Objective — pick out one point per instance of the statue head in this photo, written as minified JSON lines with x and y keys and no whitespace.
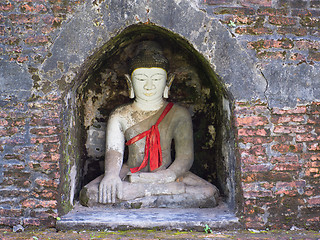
{"x":148,"y":72}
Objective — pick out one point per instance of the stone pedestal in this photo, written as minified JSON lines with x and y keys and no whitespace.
{"x":103,"y":218}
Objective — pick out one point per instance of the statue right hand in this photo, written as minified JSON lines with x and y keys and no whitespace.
{"x":110,"y":187}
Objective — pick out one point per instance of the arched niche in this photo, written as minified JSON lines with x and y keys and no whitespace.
{"x":101,"y":86}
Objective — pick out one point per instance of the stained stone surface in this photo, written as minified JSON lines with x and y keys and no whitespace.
{"x":163,"y":218}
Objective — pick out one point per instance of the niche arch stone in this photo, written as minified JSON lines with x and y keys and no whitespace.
{"x":100,"y":86}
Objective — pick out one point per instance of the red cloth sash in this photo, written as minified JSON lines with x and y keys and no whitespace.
{"x":152,"y":147}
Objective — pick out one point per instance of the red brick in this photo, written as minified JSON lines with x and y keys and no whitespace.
{"x":51,"y":20}
{"x":285,"y":159}
{"x":314,"y":119}
{"x":310,"y":192}
{"x":252,"y":159}
{"x":289,"y":188}
{"x":257,"y":194}
{"x":311,"y":156}
{"x":253,"y":132}
{"x":292,"y":129}
{"x":20,"y":59}
{"x":257,"y":186}
{"x":251,"y":121}
{"x":256,"y":140}
{"x":314,"y":108}
{"x":287,"y":167}
{"x":251,"y":110}
{"x":48,"y":203}
{"x":12,"y":167}
{"x":50,"y":194}
{"x":283,"y":21}
{"x":51,"y":147}
{"x":31,"y":222}
{"x":10,"y":221}
{"x":310,"y":22}
{"x":45,"y":131}
{"x":51,"y":139}
{"x":283,"y":139}
{"x":217,"y":2}
{"x":29,"y":203}
{"x":297,"y":57}
{"x":235,"y":10}
{"x":46,"y":183}
{"x":254,"y":223}
{"x":271,"y":43}
{"x":305,"y":137}
{"x":253,"y":30}
{"x":11,"y":212}
{"x":24,"y":18}
{"x":238,"y":19}
{"x":269,"y":176}
{"x":286,"y":119}
{"x":15,"y":156}
{"x":36,"y":40}
{"x":313,"y":146}
{"x":57,"y":10}
{"x":264,"y":3}
{"x":12,"y":141}
{"x":306,"y":45}
{"x":297,"y":110}
{"x":10,"y":40}
{"x":313,"y":173}
{"x":13,"y":49}
{"x":48,"y":157}
{"x":44,"y":166}
{"x":8,"y":132}
{"x":257,"y":150}
{"x":44,"y":121}
{"x":314,"y":164}
{"x":6,"y":7}
{"x":40,"y":8}
{"x":314,"y":200}
{"x":256,"y":168}
{"x":272,"y":55}
{"x":285,"y":148}
{"x":272,"y":11}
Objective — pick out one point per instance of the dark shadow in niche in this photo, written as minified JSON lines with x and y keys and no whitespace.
{"x":102,"y":86}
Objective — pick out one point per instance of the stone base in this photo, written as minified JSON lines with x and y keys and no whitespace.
{"x":103,"y":218}
{"x":192,"y":192}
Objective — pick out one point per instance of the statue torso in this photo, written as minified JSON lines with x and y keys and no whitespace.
{"x":134,"y":122}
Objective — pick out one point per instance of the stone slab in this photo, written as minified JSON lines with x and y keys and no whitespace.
{"x":102,"y":218}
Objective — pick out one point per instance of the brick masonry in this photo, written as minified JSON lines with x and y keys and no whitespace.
{"x":277,"y":144}
{"x":280,"y":164}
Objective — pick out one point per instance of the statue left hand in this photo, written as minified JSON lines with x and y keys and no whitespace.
{"x":162,"y":176}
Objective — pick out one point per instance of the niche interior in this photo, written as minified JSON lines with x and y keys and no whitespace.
{"x":101,"y":87}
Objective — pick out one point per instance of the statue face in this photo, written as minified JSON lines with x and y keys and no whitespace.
{"x":149,"y":83}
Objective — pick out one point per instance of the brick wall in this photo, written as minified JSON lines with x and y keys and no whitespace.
{"x":287,"y":30}
{"x":28,"y":27}
{"x":280,"y":163}
{"x":29,"y":145}
{"x":30,"y":128}
{"x":278,"y":146}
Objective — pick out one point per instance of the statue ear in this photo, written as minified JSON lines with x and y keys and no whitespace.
{"x":168,"y":85}
{"x":130,"y":87}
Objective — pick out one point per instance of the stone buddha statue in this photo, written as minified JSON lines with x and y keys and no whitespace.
{"x":148,"y":126}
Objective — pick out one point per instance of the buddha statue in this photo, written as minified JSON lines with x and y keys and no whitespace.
{"x":148,"y":126}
